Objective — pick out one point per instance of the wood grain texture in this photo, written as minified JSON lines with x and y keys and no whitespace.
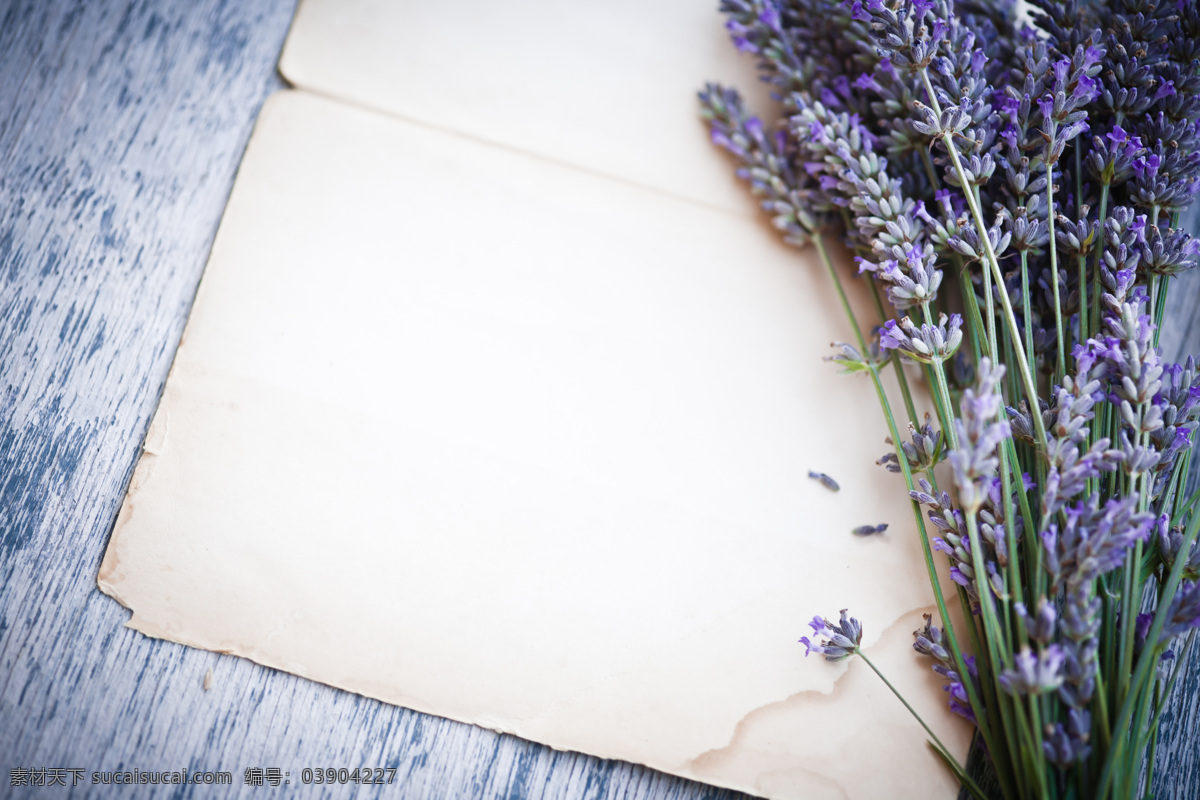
{"x":121,"y":127}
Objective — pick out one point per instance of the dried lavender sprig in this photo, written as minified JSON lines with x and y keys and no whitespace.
{"x":840,"y":153}
{"x":1034,"y":673}
{"x":842,"y":640}
{"x":930,"y":641}
{"x":924,"y":450}
{"x":975,"y":460}
{"x":927,"y":343}
{"x":763,"y":162}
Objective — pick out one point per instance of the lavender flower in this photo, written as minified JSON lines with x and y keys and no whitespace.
{"x":763,"y":161}
{"x":1034,"y":673}
{"x":979,"y":434}
{"x":1067,"y":426}
{"x":1067,"y":745}
{"x":1041,"y":625}
{"x":1094,"y":539}
{"x":841,"y":640}
{"x":953,"y":540}
{"x":840,"y":153}
{"x":924,"y":451}
{"x":930,"y":641}
{"x":928,"y":343}
{"x":1183,"y":614}
{"x":1169,"y":541}
{"x":1168,"y":252}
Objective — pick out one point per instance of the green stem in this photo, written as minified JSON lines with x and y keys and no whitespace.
{"x":926,"y":550}
{"x":1094,"y":324}
{"x":959,"y":772}
{"x":993,"y":263}
{"x":1061,"y":364}
{"x":943,"y":388}
{"x":1148,"y":658}
{"x":1158,"y":298}
{"x":1027,"y":309}
{"x":901,"y":378}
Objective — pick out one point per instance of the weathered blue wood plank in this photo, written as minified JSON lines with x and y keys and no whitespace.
{"x":121,"y":128}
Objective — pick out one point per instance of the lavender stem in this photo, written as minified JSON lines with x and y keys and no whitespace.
{"x":959,"y":772}
{"x":993,"y":262}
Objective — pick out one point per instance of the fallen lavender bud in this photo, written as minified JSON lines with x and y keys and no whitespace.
{"x":869,"y":530}
{"x":826,"y":481}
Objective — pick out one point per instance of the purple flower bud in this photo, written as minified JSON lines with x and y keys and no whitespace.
{"x":1086,"y":90}
{"x":978,"y":59}
{"x":841,"y":640}
{"x":723,"y":141}
{"x":1166,"y":90}
{"x":1117,"y":135}
{"x":1046,"y":104}
{"x":744,"y":45}
{"x":770,"y":16}
{"x":1061,"y":69}
{"x":1147,"y":167}
{"x":754,"y":128}
{"x":867,"y":81}
{"x":841,"y":85}
{"x":940,"y":26}
{"x":1074,"y":129}
{"x":1034,"y":673}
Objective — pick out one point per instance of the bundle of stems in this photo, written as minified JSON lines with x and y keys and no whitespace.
{"x":1044,"y":161}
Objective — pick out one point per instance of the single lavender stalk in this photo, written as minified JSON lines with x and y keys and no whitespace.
{"x":843,"y":640}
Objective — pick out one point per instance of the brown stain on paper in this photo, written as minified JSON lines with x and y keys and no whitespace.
{"x":764,"y":740}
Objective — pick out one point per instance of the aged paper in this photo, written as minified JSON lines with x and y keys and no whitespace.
{"x":607,"y":85}
{"x":491,"y":437}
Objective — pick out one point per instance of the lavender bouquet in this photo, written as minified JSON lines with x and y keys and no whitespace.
{"x":1012,"y":188}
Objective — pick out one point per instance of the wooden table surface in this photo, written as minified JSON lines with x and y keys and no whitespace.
{"x":122,"y":123}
